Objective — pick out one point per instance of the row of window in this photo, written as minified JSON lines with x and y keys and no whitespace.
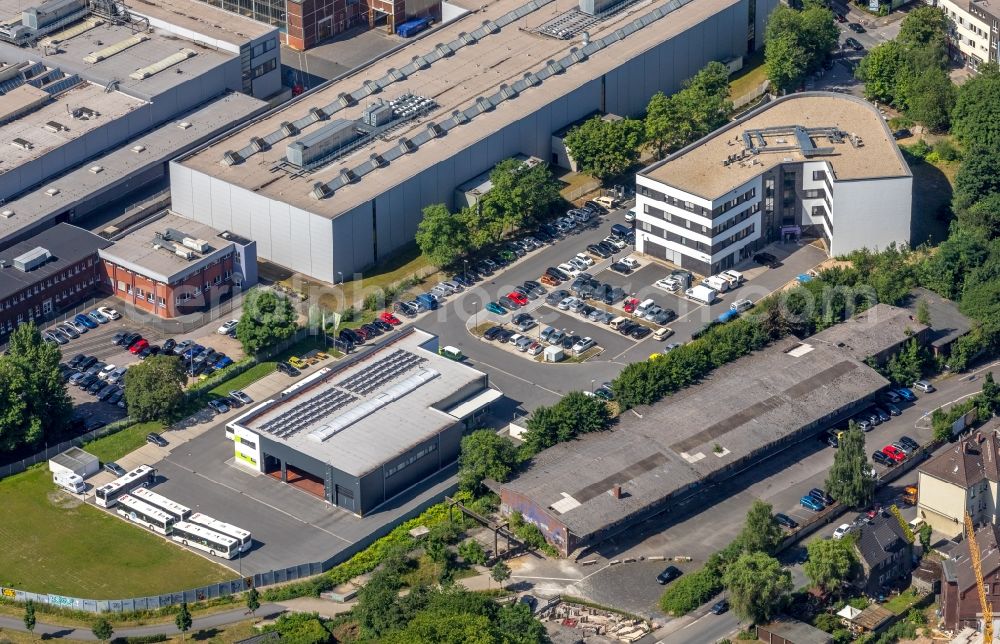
{"x":732,"y":203}
{"x":265,"y":68}
{"x":66,"y":292}
{"x":422,"y":452}
{"x":732,"y":239}
{"x":35,"y":289}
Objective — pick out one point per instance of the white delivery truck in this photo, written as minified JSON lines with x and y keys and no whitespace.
{"x":701,"y":293}
{"x":69,"y":481}
{"x":718,"y":283}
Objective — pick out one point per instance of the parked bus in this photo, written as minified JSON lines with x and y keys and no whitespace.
{"x":198,"y":536}
{"x":107,"y":495}
{"x":143,"y":513}
{"x":241,"y":535}
{"x":174,"y":509}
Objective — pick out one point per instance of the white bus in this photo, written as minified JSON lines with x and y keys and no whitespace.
{"x":143,"y":513}
{"x":107,"y":495}
{"x":198,"y":536}
{"x":241,"y":535}
{"x":174,"y":509}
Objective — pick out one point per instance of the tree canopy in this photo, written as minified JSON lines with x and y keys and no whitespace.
{"x":441,"y":236}
{"x":268,"y":318}
{"x":976,"y":117}
{"x":761,"y":533}
{"x":797,"y":43}
{"x":700,"y":107}
{"x":34,"y":406}
{"x":830,"y":562}
{"x":154,"y":388}
{"x":850,"y":480}
{"x":485,"y":454}
{"x":575,"y":414}
{"x":757,"y":585}
{"x":606,"y":148}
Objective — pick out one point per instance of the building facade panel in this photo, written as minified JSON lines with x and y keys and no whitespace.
{"x":859,"y":203}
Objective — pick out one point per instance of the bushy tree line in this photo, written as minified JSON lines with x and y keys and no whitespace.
{"x":797,"y":43}
{"x":268,"y":318}
{"x":34,"y":405}
{"x":520,"y":196}
{"x":911,"y":72}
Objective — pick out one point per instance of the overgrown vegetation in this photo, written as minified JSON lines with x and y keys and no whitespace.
{"x":797,"y":43}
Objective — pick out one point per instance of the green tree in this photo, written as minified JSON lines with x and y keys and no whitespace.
{"x":301,"y":628}
{"x":485,"y":454}
{"x":472,"y":552}
{"x":925,"y":537}
{"x":982,"y":216}
{"x":757,"y":585}
{"x":663,"y":123}
{"x":761,"y":533}
{"x":515,"y":624}
{"x":606,"y":148}
{"x":700,"y":107}
{"x":976,"y":117}
{"x":440,"y":627}
{"x":796,"y":43}
{"x":926,"y":27}
{"x":268,"y":318}
{"x":378,"y":610}
{"x":522,"y":193}
{"x":988,"y":400}
{"x":500,"y":573}
{"x":183,"y":620}
{"x":154,"y":388}
{"x":929,"y":96}
{"x":441,"y":236}
{"x":880,"y":70}
{"x":102,"y":629}
{"x":908,"y":365}
{"x":850,"y":480}
{"x":29,"y":616}
{"x":830,"y":563}
{"x":253,"y":601}
{"x":923,"y":313}
{"x":785,"y":61}
{"x":978,"y":176}
{"x":575,"y":414}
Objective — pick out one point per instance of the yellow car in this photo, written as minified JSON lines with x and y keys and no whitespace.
{"x":298,"y":363}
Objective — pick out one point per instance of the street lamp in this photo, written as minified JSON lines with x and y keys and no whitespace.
{"x":466,"y":271}
{"x":475,"y":321}
{"x":592,"y":386}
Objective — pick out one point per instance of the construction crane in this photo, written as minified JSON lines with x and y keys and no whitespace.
{"x":977,"y":568}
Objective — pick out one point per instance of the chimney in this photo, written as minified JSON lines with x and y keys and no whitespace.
{"x":615,"y":491}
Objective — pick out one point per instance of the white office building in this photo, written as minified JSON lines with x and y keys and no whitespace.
{"x":811,"y":165}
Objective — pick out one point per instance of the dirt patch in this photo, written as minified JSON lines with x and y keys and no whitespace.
{"x":64,"y":500}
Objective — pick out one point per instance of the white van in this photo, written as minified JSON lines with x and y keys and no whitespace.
{"x":69,"y":481}
{"x":718,"y":283}
{"x":738,"y":276}
{"x":617,"y":322}
{"x":643,"y":308}
{"x":741,"y":305}
{"x":701,"y":294}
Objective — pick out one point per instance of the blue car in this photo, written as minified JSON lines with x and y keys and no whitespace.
{"x":494,"y":307}
{"x":223,"y":362}
{"x":810,"y":503}
{"x":193,"y":352}
{"x":907,"y":394}
{"x":98,"y":317}
{"x":85,"y":321}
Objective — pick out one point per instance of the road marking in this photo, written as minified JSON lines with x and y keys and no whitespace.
{"x":525,"y":380}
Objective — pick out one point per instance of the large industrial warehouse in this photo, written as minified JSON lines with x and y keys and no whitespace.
{"x":581,"y":492}
{"x":359,"y":434}
{"x":336,"y":180}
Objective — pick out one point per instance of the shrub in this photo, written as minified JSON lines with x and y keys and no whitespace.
{"x":946,"y":150}
{"x":690,"y":592}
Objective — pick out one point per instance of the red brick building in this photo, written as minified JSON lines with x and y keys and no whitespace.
{"x":47,"y":274}
{"x":171,"y":266}
{"x":959,"y":595}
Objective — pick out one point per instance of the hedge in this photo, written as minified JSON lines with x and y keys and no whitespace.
{"x":689,"y":592}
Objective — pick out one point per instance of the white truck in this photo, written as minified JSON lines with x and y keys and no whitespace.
{"x":69,"y":481}
{"x":717,"y":282}
{"x":701,"y":293}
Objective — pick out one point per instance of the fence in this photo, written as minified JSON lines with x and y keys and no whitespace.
{"x":18,"y":466}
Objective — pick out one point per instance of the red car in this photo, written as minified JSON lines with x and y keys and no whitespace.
{"x":893,"y":453}
{"x":630,"y":304}
{"x":517,"y":297}
{"x":141,"y":344}
{"x":389,"y":318}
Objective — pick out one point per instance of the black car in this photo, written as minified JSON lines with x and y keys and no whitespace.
{"x":505,"y":335}
{"x":821,"y":496}
{"x":168,"y":347}
{"x":493,"y":332}
{"x":882,"y":459}
{"x":77,"y":359}
{"x":535,"y":287}
{"x":909,"y":443}
{"x":156,"y":439}
{"x":220,"y":405}
{"x":669,"y":574}
{"x":608,"y":248}
{"x":621,"y":268}
{"x":597,"y":250}
{"x":856,"y":28}
{"x":883,"y":415}
{"x":785,"y":521}
{"x":288,"y":369}
{"x":593,"y":206}
{"x":627,"y":327}
{"x":640,"y":332}
{"x":87,"y":363}
{"x":766,"y":259}
{"x":116,"y":339}
{"x":130,"y":339}
{"x":554,"y":272}
{"x":853,"y":44}
{"x":719,"y":607}
{"x":568,"y":342}
{"x":115,"y":469}
{"x":382,"y":324}
{"x":95,"y":386}
{"x":901,"y":134}
{"x":145,"y":353}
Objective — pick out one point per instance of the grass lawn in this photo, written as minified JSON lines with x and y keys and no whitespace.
{"x":114,"y":446}
{"x":252,"y":374}
{"x":749,"y":78}
{"x":53,"y":543}
{"x":901,"y":602}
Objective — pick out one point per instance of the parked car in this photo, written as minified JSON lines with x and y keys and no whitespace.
{"x":288,"y":369}
{"x":86,"y":321}
{"x":894,"y":453}
{"x":68,"y":329}
{"x":109,"y":313}
{"x":882,"y":459}
{"x":842,"y":531}
{"x":923,"y":386}
{"x":77,"y":326}
{"x":115,"y":468}
{"x":910,"y":444}
{"x":856,"y":28}
{"x":98,"y":317}
{"x":229,"y":326}
{"x":156,"y":439}
{"x":785,"y":521}
{"x":892,"y":409}
{"x":640,"y":332}
{"x":720,"y":607}
{"x":906,"y":394}
{"x":821,"y":496}
{"x":219,"y":405}
{"x":766,"y":259}
{"x":493,"y":333}
{"x":669,"y":574}
{"x":883,"y":415}
{"x":138,"y":346}
{"x":583,"y":345}
{"x":810,"y":503}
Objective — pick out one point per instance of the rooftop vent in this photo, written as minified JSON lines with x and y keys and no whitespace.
{"x":7,"y":214}
{"x":199,"y":245}
{"x":138,"y":148}
{"x":24,"y":144}
{"x":52,"y":192}
{"x":97,"y":169}
{"x":180,"y":251}
{"x":184,"y":125}
{"x":32,"y":259}
{"x":55,"y":126}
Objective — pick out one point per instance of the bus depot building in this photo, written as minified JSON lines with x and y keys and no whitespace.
{"x":361,"y":432}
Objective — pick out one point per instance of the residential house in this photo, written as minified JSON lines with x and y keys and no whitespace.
{"x":885,"y":555}
{"x":962,"y":479}
{"x":960,"y":605}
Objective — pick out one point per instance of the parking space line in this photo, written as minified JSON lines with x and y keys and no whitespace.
{"x":517,"y":377}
